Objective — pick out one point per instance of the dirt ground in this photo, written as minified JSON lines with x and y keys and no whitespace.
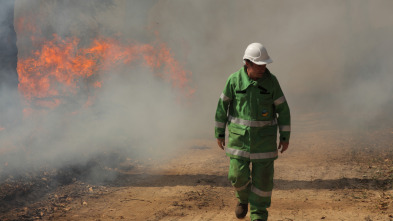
{"x":327,"y":175}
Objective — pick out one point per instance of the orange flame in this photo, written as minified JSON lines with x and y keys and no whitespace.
{"x":59,"y":66}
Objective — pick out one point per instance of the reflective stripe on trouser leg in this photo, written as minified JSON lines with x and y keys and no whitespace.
{"x":239,"y":175}
{"x":261,"y":189}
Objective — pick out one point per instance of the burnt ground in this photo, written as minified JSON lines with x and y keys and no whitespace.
{"x":328,"y":175}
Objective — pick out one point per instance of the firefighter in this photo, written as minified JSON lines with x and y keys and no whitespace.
{"x":253,"y":107}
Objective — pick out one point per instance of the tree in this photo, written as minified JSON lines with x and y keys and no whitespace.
{"x":8,"y":49}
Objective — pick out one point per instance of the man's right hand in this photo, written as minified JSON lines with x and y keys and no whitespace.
{"x":221,"y":142}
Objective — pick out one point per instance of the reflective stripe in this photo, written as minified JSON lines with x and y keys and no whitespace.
{"x":220,"y":124}
{"x":285,"y":128}
{"x":279,"y":101}
{"x":236,"y":152}
{"x":243,"y":187}
{"x":260,"y":192}
{"x":252,"y":156}
{"x":268,"y":155}
{"x":251,"y":123}
{"x":224,"y":97}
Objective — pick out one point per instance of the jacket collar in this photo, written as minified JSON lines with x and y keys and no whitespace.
{"x":246,"y":81}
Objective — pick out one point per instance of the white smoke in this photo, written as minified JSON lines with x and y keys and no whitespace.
{"x":332,"y":59}
{"x":135,"y":113}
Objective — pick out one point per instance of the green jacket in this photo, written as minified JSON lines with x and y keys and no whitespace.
{"x":252,"y":110}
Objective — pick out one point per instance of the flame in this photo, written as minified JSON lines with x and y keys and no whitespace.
{"x":59,"y":67}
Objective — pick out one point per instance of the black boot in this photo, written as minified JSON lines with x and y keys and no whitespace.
{"x":241,"y":210}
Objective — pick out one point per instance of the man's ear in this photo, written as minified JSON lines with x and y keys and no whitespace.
{"x":247,"y":63}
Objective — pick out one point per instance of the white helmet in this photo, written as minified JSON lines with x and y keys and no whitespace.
{"x":257,"y":54}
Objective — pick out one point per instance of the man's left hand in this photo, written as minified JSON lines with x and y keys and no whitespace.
{"x":283,"y":146}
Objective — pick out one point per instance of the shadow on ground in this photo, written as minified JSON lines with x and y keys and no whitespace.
{"x":147,"y":180}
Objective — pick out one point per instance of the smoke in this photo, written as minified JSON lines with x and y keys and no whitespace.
{"x":332,"y":60}
{"x":136,"y":113}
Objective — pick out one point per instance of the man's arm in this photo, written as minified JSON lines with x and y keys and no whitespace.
{"x":284,"y":117}
{"x":221,"y":116}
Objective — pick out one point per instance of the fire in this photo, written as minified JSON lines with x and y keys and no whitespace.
{"x":60,"y":67}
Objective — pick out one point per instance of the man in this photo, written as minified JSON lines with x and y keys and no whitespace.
{"x":252,"y":105}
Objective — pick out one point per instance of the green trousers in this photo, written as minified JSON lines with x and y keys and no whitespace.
{"x":255,"y":186}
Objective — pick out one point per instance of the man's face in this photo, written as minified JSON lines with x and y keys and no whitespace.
{"x":255,"y":71}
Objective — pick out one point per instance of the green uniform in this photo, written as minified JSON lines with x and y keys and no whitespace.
{"x":252,"y":110}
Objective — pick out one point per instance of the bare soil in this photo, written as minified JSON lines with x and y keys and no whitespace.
{"x":327,"y":175}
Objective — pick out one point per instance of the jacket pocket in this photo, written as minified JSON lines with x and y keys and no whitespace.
{"x":267,"y":138}
{"x":236,"y":136}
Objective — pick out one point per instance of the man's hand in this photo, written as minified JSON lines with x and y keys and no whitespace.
{"x":221,"y":142}
{"x":283,"y":145}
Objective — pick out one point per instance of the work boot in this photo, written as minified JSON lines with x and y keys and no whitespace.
{"x":241,"y":210}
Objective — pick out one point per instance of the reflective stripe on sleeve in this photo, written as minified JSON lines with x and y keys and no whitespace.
{"x":224,"y":97}
{"x":236,"y":152}
{"x":268,"y":155}
{"x":285,"y":128}
{"x":251,"y":123}
{"x":242,"y":187}
{"x":220,"y":124}
{"x":260,"y":192}
{"x":279,"y":101}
